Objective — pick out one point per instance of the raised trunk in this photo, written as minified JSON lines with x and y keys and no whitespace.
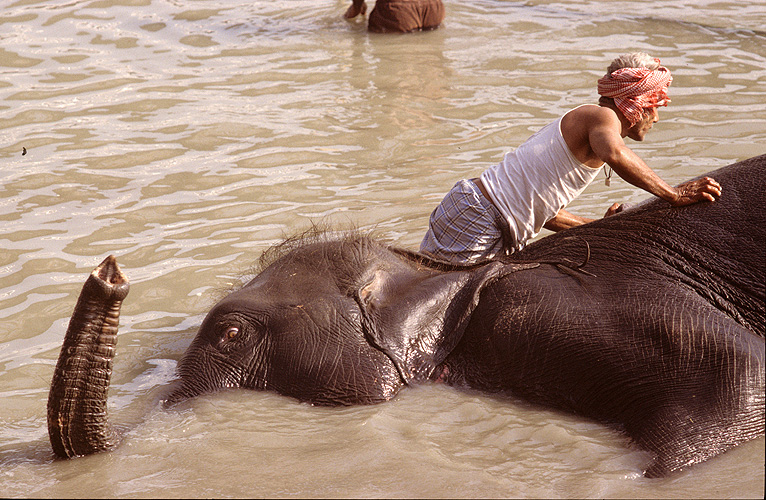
{"x":77,"y":418}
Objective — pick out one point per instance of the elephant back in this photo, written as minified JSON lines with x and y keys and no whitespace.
{"x":717,"y":249}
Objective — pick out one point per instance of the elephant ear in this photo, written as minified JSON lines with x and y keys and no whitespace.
{"x":417,"y":317}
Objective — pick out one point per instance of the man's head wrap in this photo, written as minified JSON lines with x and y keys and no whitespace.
{"x":634,"y":89}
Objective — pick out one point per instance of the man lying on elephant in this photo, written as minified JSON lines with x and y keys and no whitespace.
{"x":512,"y":201}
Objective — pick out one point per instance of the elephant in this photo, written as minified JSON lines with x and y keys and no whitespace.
{"x":650,"y":321}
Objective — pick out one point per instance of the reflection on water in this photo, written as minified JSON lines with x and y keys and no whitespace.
{"x":188,"y":136}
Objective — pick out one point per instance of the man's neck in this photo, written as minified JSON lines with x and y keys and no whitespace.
{"x":608,"y":103}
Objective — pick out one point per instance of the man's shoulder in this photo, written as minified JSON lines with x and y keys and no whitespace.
{"x":585,"y":124}
{"x":593,"y":111}
{"x":590,"y":116}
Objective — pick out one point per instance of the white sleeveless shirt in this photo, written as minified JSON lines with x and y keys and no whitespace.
{"x":535,"y":181}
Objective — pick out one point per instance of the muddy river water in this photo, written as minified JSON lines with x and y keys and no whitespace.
{"x":186,"y":137}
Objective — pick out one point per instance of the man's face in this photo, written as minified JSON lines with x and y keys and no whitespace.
{"x":648,"y":118}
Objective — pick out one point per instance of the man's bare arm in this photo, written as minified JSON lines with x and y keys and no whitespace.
{"x":357,"y":7}
{"x":565,"y":220}
{"x":607,"y":143}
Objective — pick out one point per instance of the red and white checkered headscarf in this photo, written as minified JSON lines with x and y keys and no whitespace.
{"x":634,"y":89}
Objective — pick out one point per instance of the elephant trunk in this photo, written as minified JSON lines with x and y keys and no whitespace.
{"x":77,"y":416}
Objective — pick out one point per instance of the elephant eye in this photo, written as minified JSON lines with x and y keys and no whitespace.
{"x":231,"y":332}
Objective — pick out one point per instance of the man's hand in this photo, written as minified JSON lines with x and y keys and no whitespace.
{"x":704,"y":189}
{"x":614,"y":209}
{"x":356,"y":8}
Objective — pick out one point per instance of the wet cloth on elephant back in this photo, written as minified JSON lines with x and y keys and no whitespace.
{"x":405,"y":15}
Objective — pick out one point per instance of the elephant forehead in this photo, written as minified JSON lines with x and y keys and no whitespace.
{"x":289,"y":281}
{"x":281,"y":298}
{"x":338,"y":267}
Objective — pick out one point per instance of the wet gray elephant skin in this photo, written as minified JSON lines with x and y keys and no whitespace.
{"x":651,"y":321}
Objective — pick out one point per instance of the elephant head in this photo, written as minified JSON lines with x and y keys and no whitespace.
{"x":329,"y":321}
{"x":335,"y":322}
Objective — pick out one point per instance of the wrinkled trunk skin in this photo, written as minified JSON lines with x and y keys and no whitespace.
{"x":77,"y":417}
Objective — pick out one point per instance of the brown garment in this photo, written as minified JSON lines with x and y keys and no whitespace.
{"x":405,"y":15}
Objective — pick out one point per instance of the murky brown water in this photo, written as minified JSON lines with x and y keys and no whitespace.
{"x":187,"y":136}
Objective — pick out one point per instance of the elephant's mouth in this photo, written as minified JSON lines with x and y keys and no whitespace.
{"x":179,"y":392}
{"x":182,"y":390}
{"x":191,"y":384}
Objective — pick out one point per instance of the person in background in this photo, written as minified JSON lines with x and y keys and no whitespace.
{"x":512,"y":201}
{"x":400,"y":16}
